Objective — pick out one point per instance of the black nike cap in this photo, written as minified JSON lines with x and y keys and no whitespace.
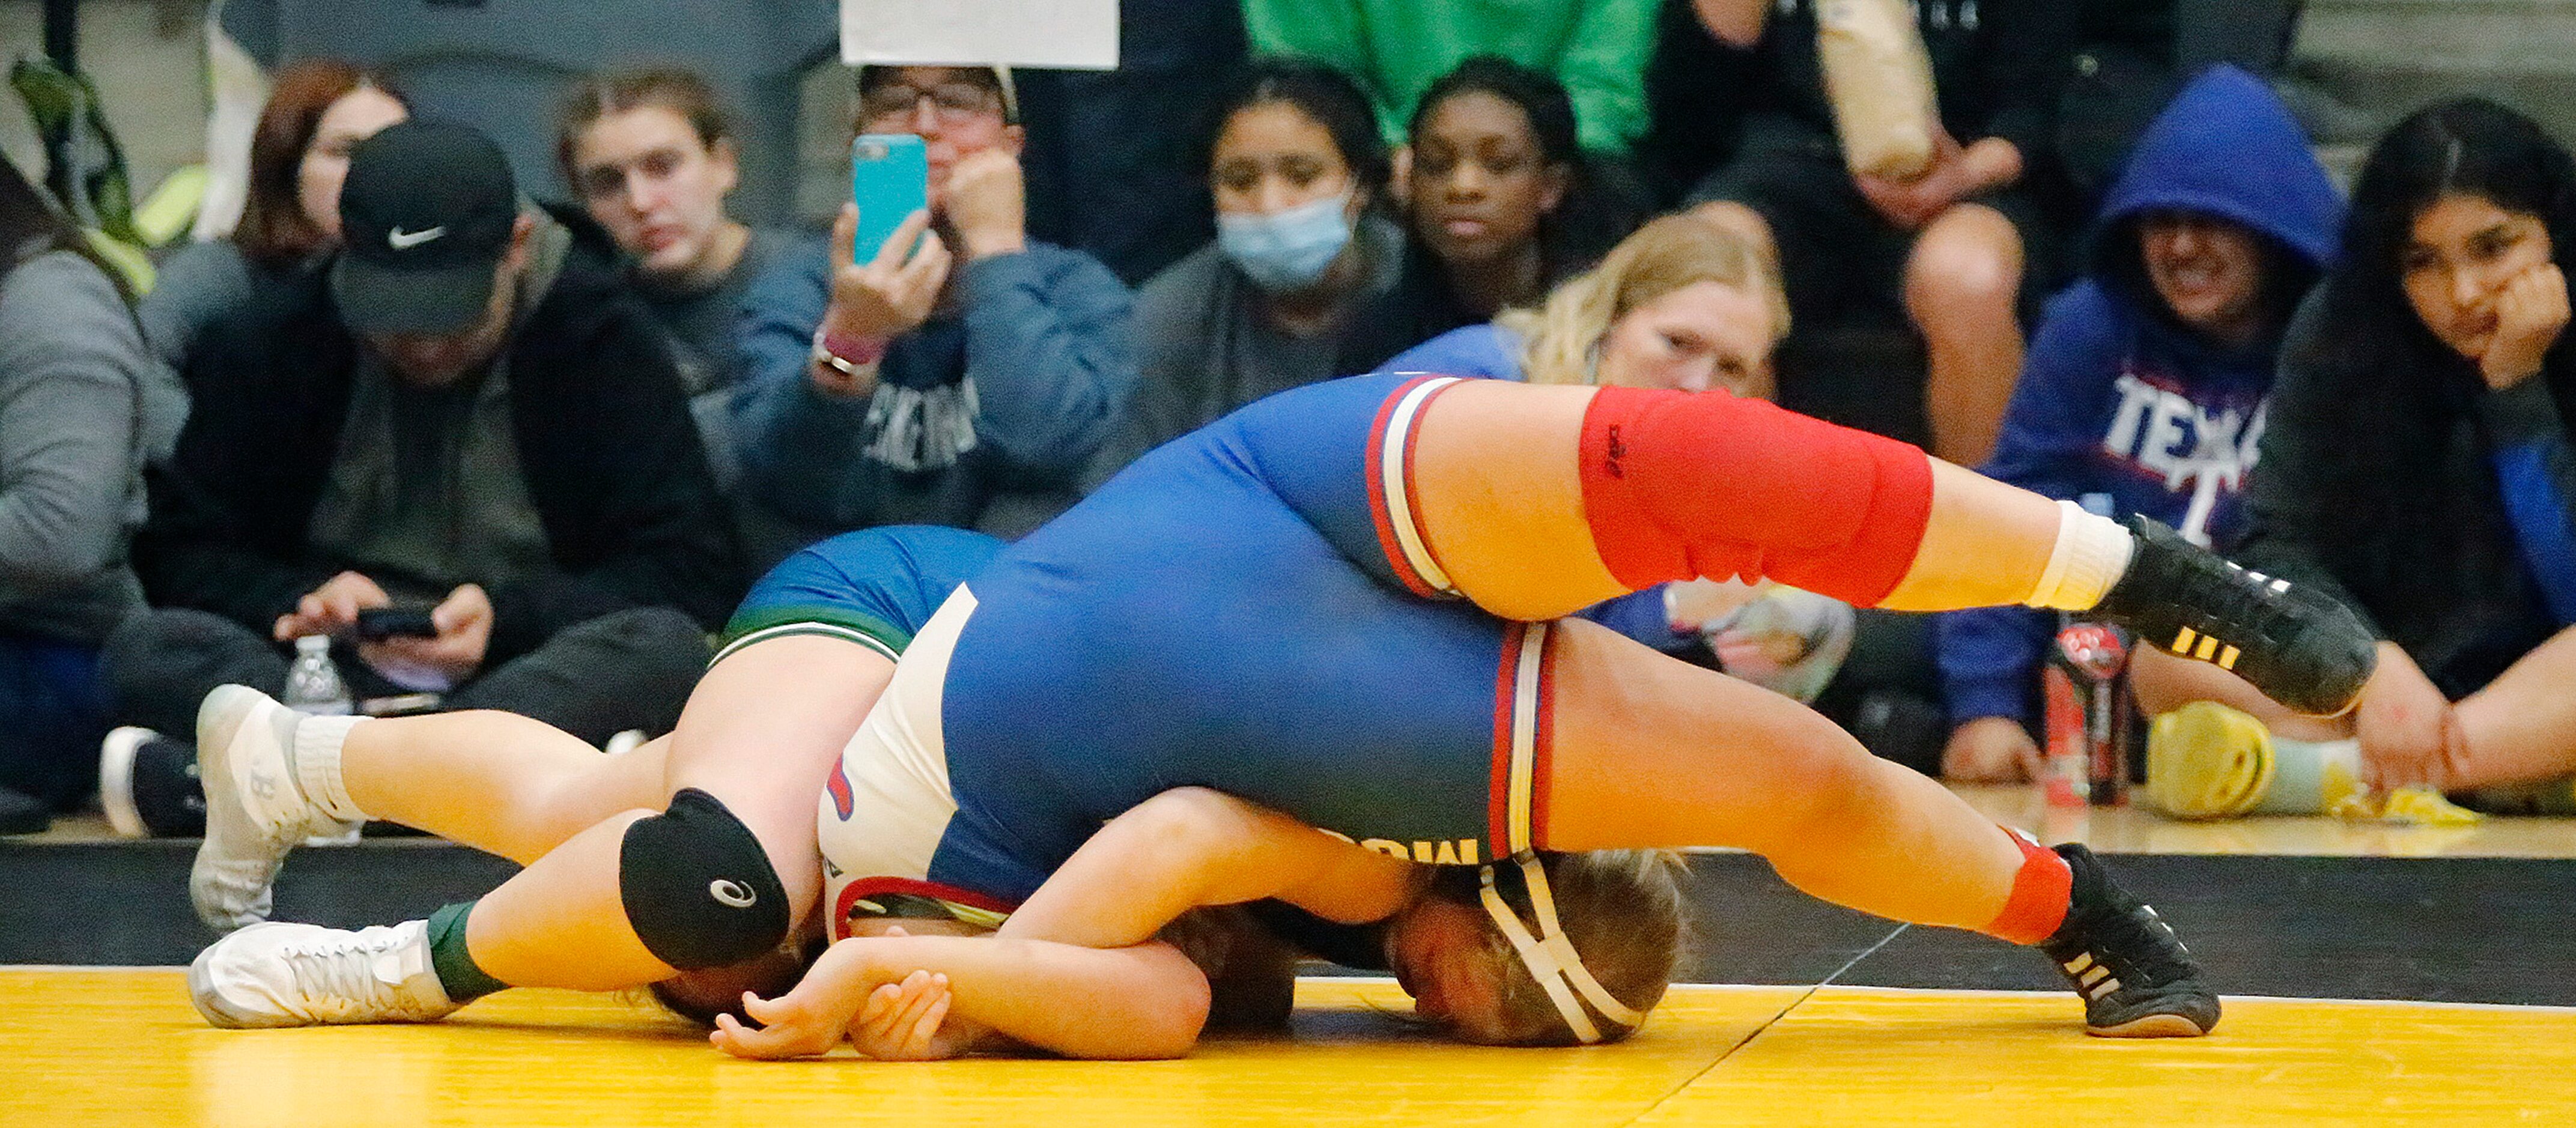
{"x":425,"y":217}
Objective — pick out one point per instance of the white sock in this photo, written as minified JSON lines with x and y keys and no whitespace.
{"x":316,"y":759}
{"x":2310,"y":777}
{"x":2090,"y":554}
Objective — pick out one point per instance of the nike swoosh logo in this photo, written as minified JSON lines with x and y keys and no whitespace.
{"x":402,"y":240}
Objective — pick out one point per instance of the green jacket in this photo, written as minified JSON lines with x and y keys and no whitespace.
{"x":1396,"y":48}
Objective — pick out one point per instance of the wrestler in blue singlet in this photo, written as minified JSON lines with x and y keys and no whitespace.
{"x":1221,"y":614}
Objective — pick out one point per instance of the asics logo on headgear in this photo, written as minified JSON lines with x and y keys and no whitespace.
{"x":731,"y":892}
{"x":402,"y":240}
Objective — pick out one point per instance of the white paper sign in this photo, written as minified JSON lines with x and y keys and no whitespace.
{"x":1030,"y":33}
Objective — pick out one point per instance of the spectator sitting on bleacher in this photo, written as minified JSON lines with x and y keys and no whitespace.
{"x":923,"y":382}
{"x":2417,"y":467}
{"x":318,"y":110}
{"x":1396,"y":48}
{"x":1296,"y":168}
{"x":473,"y":417}
{"x":652,"y":157}
{"x":1501,"y":201}
{"x":83,"y":405}
{"x":1682,"y":304}
{"x":2148,"y":377}
{"x":1957,"y":246}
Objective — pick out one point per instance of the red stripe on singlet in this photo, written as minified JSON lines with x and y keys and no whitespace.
{"x":879,"y":886}
{"x":1375,"y":471}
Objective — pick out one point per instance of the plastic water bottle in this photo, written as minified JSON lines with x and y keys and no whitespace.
{"x":314,"y":688}
{"x":313,"y":684}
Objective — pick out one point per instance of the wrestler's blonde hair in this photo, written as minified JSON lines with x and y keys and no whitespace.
{"x":1563,"y":337}
{"x":1624,"y":912}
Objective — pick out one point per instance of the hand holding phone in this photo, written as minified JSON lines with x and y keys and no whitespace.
{"x":887,"y":266}
{"x":331,"y":608}
{"x":438,"y":647}
{"x":375,"y":624}
{"x":889,"y":180}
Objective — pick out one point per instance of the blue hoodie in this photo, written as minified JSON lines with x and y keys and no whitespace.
{"x":2118,"y":397}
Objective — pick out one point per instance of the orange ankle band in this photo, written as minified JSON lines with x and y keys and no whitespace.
{"x":2039,"y":894}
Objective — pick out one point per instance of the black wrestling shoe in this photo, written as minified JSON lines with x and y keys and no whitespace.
{"x":23,"y":814}
{"x":2299,"y":647}
{"x":2137,"y":979}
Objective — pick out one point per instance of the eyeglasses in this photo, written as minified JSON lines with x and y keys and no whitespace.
{"x":957,"y":103}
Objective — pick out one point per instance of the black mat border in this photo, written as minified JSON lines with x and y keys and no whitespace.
{"x":2469,"y":930}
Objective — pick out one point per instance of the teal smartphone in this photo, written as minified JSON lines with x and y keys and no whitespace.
{"x":889,"y":180}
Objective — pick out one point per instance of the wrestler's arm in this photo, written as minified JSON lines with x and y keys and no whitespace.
{"x":1184,"y":849}
{"x":1074,"y":969}
{"x":1140,"y":1001}
{"x":1191,"y":847}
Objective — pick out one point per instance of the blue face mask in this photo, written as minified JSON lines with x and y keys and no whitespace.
{"x":1286,"y":251}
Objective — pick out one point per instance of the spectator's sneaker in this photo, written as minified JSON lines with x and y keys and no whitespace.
{"x":147,"y":785}
{"x":2206,"y":760}
{"x":2298,"y":647}
{"x":2137,"y":979}
{"x":307,"y":975}
{"x":255,"y":810}
{"x":116,"y":780}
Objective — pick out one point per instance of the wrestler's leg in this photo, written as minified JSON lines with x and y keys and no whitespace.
{"x":1535,"y":502}
{"x":759,"y":735}
{"x":499,"y":782}
{"x":1498,"y":481}
{"x":1649,"y":752}
{"x":503,"y":783}
{"x":723,"y":864}
{"x":681,"y":880}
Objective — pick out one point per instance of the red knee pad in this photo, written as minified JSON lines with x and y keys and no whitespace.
{"x":1679,"y":485}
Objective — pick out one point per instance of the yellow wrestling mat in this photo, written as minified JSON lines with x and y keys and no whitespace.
{"x":122,"y":1047}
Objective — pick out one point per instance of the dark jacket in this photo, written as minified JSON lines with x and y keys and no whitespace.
{"x":2117,"y":397}
{"x":603,"y":435}
{"x":2398,"y":483}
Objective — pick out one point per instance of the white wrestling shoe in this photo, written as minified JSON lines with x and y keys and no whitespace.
{"x":306,"y":975}
{"x":255,"y":810}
